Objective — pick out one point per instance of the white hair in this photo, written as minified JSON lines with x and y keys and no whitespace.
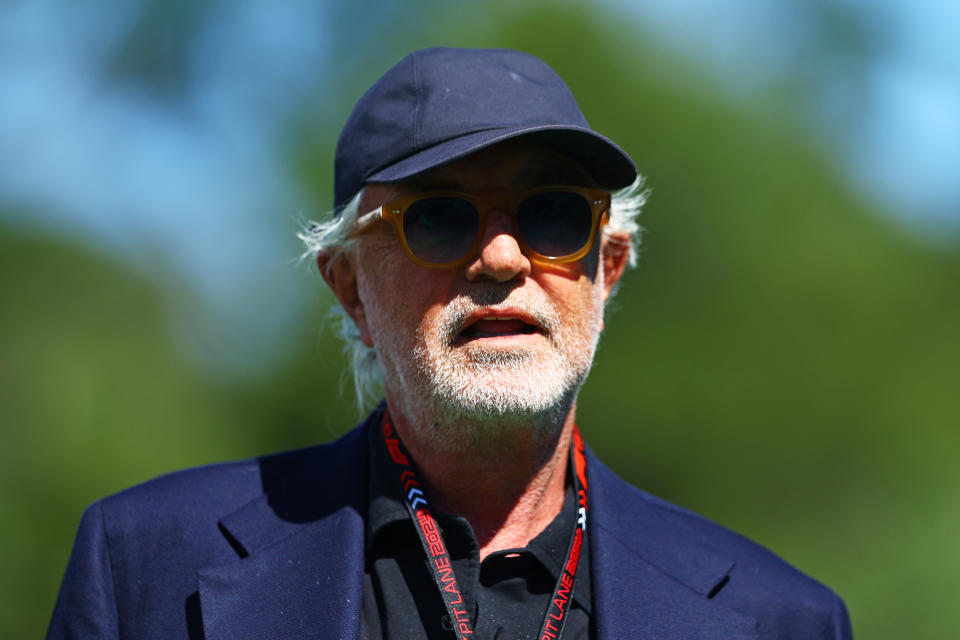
{"x":333,"y":239}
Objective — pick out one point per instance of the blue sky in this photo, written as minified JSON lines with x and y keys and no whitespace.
{"x":893,"y":120}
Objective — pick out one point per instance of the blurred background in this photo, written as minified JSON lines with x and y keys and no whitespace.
{"x":784,"y":360}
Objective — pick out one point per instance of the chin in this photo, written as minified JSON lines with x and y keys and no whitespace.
{"x":502,"y":387}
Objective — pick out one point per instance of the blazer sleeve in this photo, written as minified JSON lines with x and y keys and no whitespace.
{"x":87,"y":606}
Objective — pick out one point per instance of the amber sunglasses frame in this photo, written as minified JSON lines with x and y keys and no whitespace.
{"x":394,"y":210}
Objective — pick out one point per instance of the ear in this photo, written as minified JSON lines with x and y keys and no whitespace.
{"x":615,"y":253}
{"x":340,"y":273}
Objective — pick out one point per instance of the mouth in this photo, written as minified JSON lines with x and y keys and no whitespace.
{"x":490,"y":324}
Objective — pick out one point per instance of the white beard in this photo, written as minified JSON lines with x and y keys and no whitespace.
{"x":462,"y":395}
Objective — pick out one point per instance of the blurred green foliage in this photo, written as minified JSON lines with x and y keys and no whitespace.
{"x":783,"y":360}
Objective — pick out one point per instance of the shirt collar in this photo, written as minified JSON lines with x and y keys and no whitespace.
{"x":386,"y":503}
{"x":549,"y":547}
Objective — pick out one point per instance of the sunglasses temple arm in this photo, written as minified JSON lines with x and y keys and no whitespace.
{"x":368,"y":218}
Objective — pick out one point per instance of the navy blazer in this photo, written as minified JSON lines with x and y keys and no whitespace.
{"x":274,"y":548}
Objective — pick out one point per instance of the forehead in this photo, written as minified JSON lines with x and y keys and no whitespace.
{"x":511,"y":166}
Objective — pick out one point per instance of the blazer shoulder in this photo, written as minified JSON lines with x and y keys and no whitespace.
{"x":209,"y":491}
{"x":746,"y":576}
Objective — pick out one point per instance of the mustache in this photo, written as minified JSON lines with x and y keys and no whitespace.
{"x":459,"y":309}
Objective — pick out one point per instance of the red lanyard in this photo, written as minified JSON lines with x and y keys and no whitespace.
{"x":439,"y":559}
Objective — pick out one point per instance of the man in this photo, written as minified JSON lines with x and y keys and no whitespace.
{"x":472,"y":251}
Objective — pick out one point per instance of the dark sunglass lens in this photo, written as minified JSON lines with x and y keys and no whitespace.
{"x":440,"y":229}
{"x":555,"y":224}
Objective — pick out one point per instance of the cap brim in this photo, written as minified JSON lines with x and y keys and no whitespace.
{"x":606,"y":163}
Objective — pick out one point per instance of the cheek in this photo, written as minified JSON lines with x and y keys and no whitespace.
{"x":380,"y":284}
{"x":588,"y":310}
{"x":579,"y":300}
{"x":397,"y":294}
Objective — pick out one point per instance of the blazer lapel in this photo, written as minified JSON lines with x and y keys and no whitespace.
{"x":301,"y":548}
{"x":308,"y":585}
{"x":651,"y":576}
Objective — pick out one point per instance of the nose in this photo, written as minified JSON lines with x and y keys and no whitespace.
{"x":499,"y":258}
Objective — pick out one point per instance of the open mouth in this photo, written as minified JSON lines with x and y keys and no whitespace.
{"x":484,"y":325}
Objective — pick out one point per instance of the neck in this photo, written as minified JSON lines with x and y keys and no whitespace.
{"x":508,"y":483}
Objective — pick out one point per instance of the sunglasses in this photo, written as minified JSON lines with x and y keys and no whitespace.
{"x":444,"y":229}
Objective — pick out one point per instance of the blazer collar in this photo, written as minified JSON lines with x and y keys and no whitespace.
{"x":300,"y":572}
{"x":652,"y":573}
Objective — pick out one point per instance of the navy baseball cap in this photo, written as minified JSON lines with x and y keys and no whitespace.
{"x":440,"y":104}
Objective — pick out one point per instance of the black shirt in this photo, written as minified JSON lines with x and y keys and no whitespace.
{"x":507,"y":594}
